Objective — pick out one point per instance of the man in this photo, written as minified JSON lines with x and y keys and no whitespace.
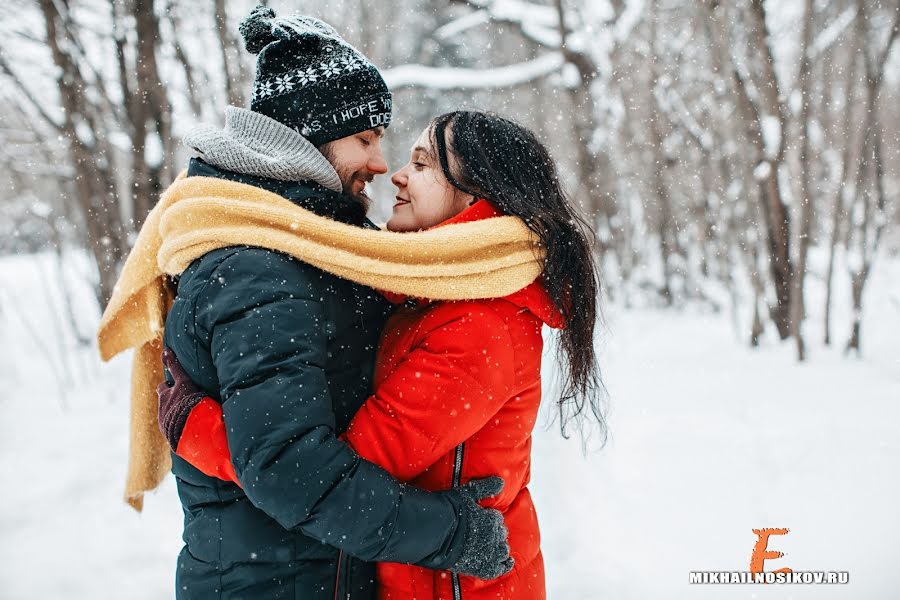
{"x":289,"y":352}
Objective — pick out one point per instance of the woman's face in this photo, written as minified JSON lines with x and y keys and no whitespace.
{"x":424,"y":196}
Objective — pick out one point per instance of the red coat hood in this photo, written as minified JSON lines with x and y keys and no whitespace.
{"x":533,"y":297}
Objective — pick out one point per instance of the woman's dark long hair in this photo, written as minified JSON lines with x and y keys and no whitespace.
{"x":505,"y":163}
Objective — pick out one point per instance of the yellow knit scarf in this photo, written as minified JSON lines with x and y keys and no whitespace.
{"x":482,"y":259}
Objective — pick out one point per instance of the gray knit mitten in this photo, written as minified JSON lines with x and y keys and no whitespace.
{"x":486,"y":552}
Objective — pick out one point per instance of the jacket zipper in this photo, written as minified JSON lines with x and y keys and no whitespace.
{"x":337,"y":579}
{"x":348,"y":573}
{"x":457,"y":477}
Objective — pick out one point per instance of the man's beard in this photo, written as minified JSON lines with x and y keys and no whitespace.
{"x":347,"y":182}
{"x":349,"y":178}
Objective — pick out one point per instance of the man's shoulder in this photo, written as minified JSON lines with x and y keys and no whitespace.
{"x":246,"y":257}
{"x":237,"y":268}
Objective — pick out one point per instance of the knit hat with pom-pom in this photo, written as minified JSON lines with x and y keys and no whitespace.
{"x":310,"y":79}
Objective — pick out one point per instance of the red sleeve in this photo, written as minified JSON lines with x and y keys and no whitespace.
{"x":450,"y":385}
{"x":203,"y":442}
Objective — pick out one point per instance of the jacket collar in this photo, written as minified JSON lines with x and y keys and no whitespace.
{"x":533,"y":297}
{"x":306,"y":194}
{"x":477,"y":211}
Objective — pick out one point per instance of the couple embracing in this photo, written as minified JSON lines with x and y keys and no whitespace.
{"x":348,"y":411}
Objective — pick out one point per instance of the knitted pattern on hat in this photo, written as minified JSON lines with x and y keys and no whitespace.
{"x":311,"y":79}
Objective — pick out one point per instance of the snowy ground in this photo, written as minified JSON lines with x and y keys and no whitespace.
{"x":709,"y":440}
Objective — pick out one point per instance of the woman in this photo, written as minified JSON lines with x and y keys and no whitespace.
{"x":457,"y":384}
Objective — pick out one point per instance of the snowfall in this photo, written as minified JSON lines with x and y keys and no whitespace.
{"x":709,"y":439}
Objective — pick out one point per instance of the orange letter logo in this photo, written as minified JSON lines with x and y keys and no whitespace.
{"x":761,"y":553}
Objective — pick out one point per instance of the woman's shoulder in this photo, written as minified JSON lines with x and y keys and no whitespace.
{"x":473,"y":318}
{"x":481,"y":309}
{"x":531,"y":303}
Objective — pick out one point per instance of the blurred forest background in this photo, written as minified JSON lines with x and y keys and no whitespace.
{"x":727,"y":151}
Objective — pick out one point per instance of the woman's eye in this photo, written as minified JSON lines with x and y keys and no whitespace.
{"x":364,"y":141}
{"x":419,"y":166}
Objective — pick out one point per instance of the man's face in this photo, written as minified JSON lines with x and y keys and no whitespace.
{"x":357,"y":159}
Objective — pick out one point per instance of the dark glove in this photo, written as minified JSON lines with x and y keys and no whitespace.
{"x":486,"y":552}
{"x":176,"y":399}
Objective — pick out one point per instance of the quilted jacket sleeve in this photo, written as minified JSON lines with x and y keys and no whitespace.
{"x":264,"y":316}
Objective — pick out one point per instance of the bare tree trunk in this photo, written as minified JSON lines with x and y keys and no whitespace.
{"x":778,"y":221}
{"x":663,"y":201}
{"x":839,"y":209}
{"x":93,"y":180}
{"x":829,"y":274}
{"x":857,"y":284}
{"x":775,"y":214}
{"x":746,"y":240}
{"x":151,"y":116}
{"x":231,"y":59}
{"x":595,"y":167}
{"x":189,"y":75}
{"x":756,"y":329}
{"x":798,"y":303}
{"x":664,"y":226}
{"x":870,"y":175}
{"x":363,"y":7}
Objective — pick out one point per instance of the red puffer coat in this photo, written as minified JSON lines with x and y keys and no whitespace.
{"x":457,"y":391}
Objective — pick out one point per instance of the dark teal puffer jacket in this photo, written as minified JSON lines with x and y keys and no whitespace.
{"x":289,"y":350}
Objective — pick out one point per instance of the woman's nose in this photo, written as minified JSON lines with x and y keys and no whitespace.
{"x":399,"y":178}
